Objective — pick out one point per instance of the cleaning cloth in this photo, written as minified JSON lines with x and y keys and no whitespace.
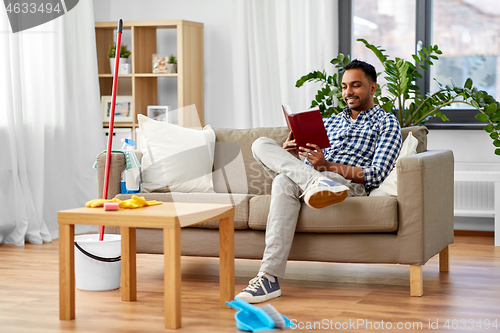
{"x":130,"y":158}
{"x":134,"y":202}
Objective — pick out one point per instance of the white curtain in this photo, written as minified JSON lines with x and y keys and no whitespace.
{"x":275,"y":42}
{"x":50,"y":123}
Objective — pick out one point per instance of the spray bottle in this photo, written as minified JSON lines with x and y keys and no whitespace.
{"x":131,"y":176}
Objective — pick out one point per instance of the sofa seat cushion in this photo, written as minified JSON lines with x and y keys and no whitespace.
{"x":240,"y":212}
{"x":353,"y":215}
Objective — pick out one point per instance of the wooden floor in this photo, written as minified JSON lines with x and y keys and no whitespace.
{"x":327,"y":295}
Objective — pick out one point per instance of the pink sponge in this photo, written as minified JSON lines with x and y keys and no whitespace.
{"x":111,"y":206}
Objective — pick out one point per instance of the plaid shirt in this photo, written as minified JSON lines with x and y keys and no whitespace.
{"x":371,"y":142}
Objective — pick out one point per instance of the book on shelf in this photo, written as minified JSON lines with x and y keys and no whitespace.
{"x":307,"y":126}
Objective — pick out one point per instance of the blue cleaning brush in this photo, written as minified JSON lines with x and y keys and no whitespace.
{"x":254,"y":319}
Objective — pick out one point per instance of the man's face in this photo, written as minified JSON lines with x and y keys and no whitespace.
{"x":357,"y":90}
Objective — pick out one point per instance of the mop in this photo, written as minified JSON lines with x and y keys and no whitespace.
{"x":111,"y":120}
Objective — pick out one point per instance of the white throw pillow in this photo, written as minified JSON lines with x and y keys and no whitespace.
{"x":390,"y":185}
{"x":176,"y":158}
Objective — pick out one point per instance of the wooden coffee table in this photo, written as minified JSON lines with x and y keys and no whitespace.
{"x":170,"y":217}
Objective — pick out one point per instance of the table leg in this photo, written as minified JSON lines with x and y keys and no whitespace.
{"x":172,"y":276}
{"x":226,"y":265}
{"x":128,"y":265}
{"x":66,"y":271}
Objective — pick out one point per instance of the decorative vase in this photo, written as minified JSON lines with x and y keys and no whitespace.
{"x":171,"y":68}
{"x":112,"y":64}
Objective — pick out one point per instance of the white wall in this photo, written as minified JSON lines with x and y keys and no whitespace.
{"x":468,"y":146}
{"x":216,"y":17}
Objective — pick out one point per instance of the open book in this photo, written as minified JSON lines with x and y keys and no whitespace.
{"x":307,"y":127}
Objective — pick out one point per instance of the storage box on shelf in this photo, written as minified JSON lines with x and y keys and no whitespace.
{"x":142,"y":84}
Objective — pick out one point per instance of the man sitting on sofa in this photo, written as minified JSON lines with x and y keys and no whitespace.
{"x":365,"y":143}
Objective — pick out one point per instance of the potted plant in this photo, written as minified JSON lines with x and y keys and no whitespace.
{"x":124,"y":54}
{"x":403,"y":98}
{"x":172,"y":64}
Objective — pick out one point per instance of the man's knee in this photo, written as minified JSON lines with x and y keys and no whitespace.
{"x":282,"y":184}
{"x":259,"y":144}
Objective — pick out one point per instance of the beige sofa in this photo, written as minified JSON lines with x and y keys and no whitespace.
{"x":408,"y":229}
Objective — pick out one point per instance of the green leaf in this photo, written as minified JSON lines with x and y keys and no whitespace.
{"x":429,"y":62}
{"x":468,"y":84}
{"x":489,"y":128}
{"x":434,"y":57}
{"x":491,"y":108}
{"x":376,"y":50}
{"x":417,"y":59}
{"x":421,"y":54}
{"x":439,"y":52}
{"x":482,"y":117}
{"x":481,"y":94}
{"x":424,"y":67}
{"x":496,"y":143}
{"x":494,"y":135}
{"x":497,"y":151}
{"x":473,"y":102}
{"x":495,"y":117}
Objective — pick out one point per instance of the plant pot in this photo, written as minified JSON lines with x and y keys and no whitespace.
{"x":171,"y":68}
{"x":112,"y":64}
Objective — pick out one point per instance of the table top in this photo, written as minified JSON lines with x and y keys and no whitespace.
{"x":168,"y":214}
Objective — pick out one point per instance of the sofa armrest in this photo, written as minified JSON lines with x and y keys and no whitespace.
{"x":425,"y":203}
{"x":117,"y":166}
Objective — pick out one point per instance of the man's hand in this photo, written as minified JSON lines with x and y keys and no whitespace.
{"x":315,"y":156}
{"x":291,"y":146}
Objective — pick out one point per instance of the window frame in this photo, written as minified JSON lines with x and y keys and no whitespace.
{"x":459,"y":119}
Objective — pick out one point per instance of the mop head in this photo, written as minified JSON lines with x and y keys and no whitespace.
{"x":254,"y":319}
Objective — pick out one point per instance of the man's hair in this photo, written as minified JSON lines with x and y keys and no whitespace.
{"x":364,"y":66}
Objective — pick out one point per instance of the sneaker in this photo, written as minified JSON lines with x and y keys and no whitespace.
{"x":324,"y":192}
{"x":260,"y":289}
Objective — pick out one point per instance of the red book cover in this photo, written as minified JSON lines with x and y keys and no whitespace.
{"x":307,"y":127}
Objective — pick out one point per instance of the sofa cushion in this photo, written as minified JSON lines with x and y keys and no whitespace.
{"x":240,"y":212}
{"x":168,"y":154}
{"x":390,"y":185}
{"x":420,"y":133}
{"x":226,"y":150}
{"x":353,"y":215}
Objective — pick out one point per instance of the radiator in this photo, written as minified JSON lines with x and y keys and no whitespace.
{"x":474,"y":198}
{"x":474,"y":193}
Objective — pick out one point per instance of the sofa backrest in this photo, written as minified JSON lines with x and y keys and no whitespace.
{"x":229,"y":143}
{"x":420,"y":133}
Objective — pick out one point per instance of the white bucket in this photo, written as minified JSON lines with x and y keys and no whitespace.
{"x":99,"y":269}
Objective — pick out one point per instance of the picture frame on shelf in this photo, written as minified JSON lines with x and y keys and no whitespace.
{"x":159,"y":112}
{"x":124,"y":111}
{"x":159,"y":63}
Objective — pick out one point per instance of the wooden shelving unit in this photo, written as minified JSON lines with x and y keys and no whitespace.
{"x":142,"y":84}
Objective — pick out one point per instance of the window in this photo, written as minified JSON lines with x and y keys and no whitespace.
{"x":467,"y":31}
{"x":386,"y":23}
